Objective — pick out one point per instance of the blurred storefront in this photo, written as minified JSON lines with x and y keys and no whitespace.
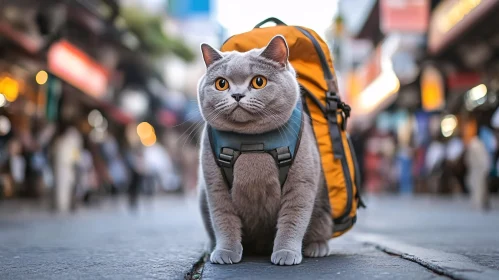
{"x":69,"y":92}
{"x":428,"y":85}
{"x":462,"y":43}
{"x":383,"y":90}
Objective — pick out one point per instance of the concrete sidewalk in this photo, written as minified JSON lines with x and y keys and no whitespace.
{"x":348,"y":260}
{"x":162,"y":240}
{"x":435,"y":228}
{"x":397,"y":238}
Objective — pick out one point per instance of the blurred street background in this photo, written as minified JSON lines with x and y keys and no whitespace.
{"x":99,"y":116}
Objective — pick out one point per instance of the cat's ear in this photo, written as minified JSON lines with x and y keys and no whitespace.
{"x":210,"y":55}
{"x":277,"y":50}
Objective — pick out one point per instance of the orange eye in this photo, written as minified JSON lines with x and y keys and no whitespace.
{"x":221,"y":84}
{"x":259,"y":82}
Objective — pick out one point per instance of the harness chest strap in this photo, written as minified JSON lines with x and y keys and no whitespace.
{"x":282,"y":144}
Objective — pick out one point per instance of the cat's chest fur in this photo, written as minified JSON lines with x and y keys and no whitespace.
{"x":256,"y":192}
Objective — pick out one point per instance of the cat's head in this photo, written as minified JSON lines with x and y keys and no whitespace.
{"x":251,"y":92}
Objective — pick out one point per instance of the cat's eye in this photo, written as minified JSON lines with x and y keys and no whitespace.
{"x":221,"y":84}
{"x":259,"y":82}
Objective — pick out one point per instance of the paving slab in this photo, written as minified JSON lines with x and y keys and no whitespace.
{"x":448,"y":224}
{"x":162,"y":240}
{"x":453,"y":265}
{"x":348,"y":260}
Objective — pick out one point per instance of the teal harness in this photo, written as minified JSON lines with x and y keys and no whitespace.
{"x":282,"y":144}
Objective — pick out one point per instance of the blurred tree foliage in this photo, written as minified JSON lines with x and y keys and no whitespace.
{"x":148,"y":29}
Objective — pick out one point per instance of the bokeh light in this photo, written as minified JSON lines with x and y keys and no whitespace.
{"x":449,"y":124}
{"x":145,"y":130}
{"x":95,"y":118}
{"x":5,"y":125}
{"x":10,"y":88}
{"x":149,"y":140}
{"x":3,"y":100}
{"x":41,"y":77}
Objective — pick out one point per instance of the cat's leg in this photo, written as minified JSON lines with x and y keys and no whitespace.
{"x":294,"y":216}
{"x":297,"y":202}
{"x":320,"y":229}
{"x":226,"y":224}
{"x":205,"y":214}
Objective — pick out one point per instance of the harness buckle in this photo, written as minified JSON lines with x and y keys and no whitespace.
{"x":333,"y":103}
{"x":284,"y":157}
{"x":226,"y":157}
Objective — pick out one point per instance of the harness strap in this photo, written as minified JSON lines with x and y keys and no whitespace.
{"x":229,"y":156}
{"x":226,"y":162}
{"x":283,"y":158}
{"x":334,"y":130}
{"x":227,"y":147}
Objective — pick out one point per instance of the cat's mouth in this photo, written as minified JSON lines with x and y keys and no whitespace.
{"x":241,"y":114}
{"x":239,"y":106}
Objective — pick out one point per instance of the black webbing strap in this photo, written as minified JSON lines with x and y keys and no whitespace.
{"x":333,"y":105}
{"x":328,"y":75}
{"x":283,"y":158}
{"x":228,"y":157}
{"x":227,"y":153}
{"x":226,"y":161}
{"x":334,"y":129}
{"x":333,"y":102}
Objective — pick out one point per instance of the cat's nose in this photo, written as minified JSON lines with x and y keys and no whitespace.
{"x":237,"y":96}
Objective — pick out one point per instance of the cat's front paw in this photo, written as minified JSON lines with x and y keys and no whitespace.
{"x":316,"y":249}
{"x":286,"y":257}
{"x":224,"y":256}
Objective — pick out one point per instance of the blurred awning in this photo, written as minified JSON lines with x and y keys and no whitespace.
{"x":79,"y":70}
{"x":453,"y":20}
{"x":31,"y":44}
{"x":75,"y":67}
{"x":376,"y":84}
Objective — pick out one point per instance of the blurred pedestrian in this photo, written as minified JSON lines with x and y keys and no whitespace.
{"x":454,"y":166}
{"x":134,"y":162}
{"x":67,"y":152}
{"x":434,"y":162}
{"x":478,"y":165}
{"x":17,"y":163}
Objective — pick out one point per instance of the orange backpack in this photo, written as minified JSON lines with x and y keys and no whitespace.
{"x":310,"y":57}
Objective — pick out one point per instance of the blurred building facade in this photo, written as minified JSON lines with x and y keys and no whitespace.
{"x":421,"y":78}
{"x":82,"y":95}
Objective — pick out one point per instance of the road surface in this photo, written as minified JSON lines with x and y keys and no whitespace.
{"x":395,"y":238}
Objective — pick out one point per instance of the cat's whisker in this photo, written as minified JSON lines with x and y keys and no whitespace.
{"x":189,"y":136}
{"x":290,"y":129}
{"x":278,"y":128}
{"x":210,"y":118}
{"x":183,"y":138}
{"x":219,"y":105}
{"x":186,"y":137}
{"x":193,"y":125}
{"x":276,"y":118}
{"x":187,"y":130}
{"x":198,"y":125}
{"x":189,"y":119}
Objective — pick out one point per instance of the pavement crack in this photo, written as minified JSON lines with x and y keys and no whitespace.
{"x":196,"y":271}
{"x":433,"y":268}
{"x":454,"y":266}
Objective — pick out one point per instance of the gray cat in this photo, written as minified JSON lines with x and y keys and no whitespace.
{"x":251,"y":93}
